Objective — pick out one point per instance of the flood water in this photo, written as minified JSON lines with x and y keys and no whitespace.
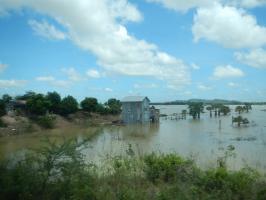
{"x":202,"y":139}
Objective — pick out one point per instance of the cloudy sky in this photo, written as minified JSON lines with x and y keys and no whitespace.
{"x":164,"y":49}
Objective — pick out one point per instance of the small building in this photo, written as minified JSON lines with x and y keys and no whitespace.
{"x":16,"y":106}
{"x":154,"y":115}
{"x":135,"y":109}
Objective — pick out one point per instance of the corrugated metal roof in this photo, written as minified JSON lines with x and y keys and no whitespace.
{"x":134,"y":99}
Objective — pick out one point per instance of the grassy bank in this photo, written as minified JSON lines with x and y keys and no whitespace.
{"x":59,"y":171}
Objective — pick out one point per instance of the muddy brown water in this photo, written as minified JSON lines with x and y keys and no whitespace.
{"x":202,"y":139}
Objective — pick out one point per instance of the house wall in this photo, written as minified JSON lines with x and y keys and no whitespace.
{"x":145,"y":110}
{"x":136,"y":112}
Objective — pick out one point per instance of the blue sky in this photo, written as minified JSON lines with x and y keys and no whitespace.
{"x":163,"y":49}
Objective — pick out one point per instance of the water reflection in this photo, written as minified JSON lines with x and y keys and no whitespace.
{"x":203,"y":138}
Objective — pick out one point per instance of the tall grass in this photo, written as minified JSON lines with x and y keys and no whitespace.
{"x":59,"y":171}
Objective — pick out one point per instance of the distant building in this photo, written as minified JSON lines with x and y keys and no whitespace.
{"x":16,"y":106}
{"x":135,"y":109}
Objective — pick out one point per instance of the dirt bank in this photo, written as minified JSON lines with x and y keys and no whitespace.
{"x":22,"y":125}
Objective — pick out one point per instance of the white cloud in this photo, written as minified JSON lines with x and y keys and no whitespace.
{"x":108,"y":89}
{"x":124,"y":10}
{"x":53,"y":81}
{"x":12,"y":83}
{"x":72,"y":74}
{"x":188,"y":93}
{"x":45,"y":78}
{"x":195,"y":67}
{"x":232,"y":84}
{"x":204,"y":87}
{"x":247,"y":3}
{"x":181,"y":5}
{"x":227,"y":72}
{"x":147,"y":86}
{"x":47,"y":30}
{"x":228,"y":26}
{"x":102,"y":33}
{"x":3,"y":67}
{"x":255,"y":58}
{"x":93,"y":73}
{"x":60,"y":83}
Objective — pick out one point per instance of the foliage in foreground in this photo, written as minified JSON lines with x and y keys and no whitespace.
{"x":60,"y":172}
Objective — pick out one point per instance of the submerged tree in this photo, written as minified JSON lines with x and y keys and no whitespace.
{"x":224,"y":109}
{"x":239,"y":109}
{"x":184,"y":114}
{"x":195,"y":108}
{"x":240,"y":120}
{"x":210,"y":108}
{"x":247,"y":107}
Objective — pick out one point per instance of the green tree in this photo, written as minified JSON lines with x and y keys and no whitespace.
{"x":6,"y":98}
{"x":89,"y":104}
{"x":37,"y":104}
{"x":247,"y":107}
{"x":239,"y":109}
{"x":224,"y":109}
{"x":102,"y":109}
{"x":2,"y":108}
{"x":55,"y":99}
{"x":26,"y":96}
{"x":240,"y":120}
{"x":184,"y":114}
{"x":114,"y":106}
{"x":68,"y":105}
{"x":195,"y":108}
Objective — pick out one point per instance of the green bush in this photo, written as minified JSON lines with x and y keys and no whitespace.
{"x":2,"y":124}
{"x":46,"y":121}
{"x":59,"y":171}
{"x":166,"y":167}
{"x":2,"y":108}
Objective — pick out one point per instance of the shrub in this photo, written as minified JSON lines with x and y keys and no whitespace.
{"x":166,"y":167}
{"x":2,"y":108}
{"x":46,"y":121}
{"x":2,"y":124}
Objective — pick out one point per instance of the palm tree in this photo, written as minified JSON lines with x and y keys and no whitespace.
{"x":239,"y":109}
{"x":224,"y":109}
{"x":195,"y":108}
{"x":184,"y":114}
{"x":247,"y":107}
{"x":239,"y":120}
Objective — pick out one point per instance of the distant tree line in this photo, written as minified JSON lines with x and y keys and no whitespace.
{"x":40,"y":104}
